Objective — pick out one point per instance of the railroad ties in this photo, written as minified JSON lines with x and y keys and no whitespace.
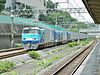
{"x":11,"y":52}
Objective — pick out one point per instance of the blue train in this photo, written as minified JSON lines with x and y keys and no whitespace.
{"x":37,"y":37}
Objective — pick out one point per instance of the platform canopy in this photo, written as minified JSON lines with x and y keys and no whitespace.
{"x":93,"y":7}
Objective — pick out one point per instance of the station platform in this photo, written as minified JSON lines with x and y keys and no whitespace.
{"x":91,"y":65}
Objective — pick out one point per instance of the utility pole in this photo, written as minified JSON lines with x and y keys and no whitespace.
{"x":56,"y":4}
{"x":12,"y":22}
{"x":55,"y":40}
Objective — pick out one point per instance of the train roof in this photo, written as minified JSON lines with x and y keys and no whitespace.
{"x":28,"y":22}
{"x":31,"y":28}
{"x":55,"y":27}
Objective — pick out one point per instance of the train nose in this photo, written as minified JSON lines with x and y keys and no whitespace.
{"x":26,"y":46}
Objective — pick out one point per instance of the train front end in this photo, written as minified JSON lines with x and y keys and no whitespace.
{"x":30,"y":38}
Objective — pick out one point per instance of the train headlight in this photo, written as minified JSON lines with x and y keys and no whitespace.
{"x":34,"y":38}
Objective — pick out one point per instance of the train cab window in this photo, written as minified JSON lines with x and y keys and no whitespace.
{"x":25,"y":31}
{"x":34,"y":31}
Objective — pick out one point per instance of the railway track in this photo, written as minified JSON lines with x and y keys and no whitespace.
{"x":11,"y":52}
{"x":6,"y":53}
{"x":68,"y":66}
{"x":10,"y":49}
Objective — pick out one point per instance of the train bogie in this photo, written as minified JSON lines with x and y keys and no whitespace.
{"x":30,"y":46}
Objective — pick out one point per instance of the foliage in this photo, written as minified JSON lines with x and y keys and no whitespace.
{"x":48,"y":62}
{"x":74,"y":30}
{"x":92,"y":25}
{"x":82,"y":25}
{"x":62,"y":18}
{"x":50,"y":4}
{"x":42,"y":17}
{"x":44,"y":63}
{"x":72,"y":44}
{"x":18,"y":45}
{"x":85,"y":41}
{"x":59,"y":17}
{"x":34,"y":54}
{"x":6,"y":66}
{"x":10,"y":73}
{"x":2,"y":4}
{"x":54,"y":16}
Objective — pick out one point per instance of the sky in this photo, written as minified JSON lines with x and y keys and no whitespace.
{"x":84,"y":17}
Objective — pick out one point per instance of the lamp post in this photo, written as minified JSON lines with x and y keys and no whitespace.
{"x":12,"y":28}
{"x":55,"y":40}
{"x":12,"y":22}
{"x":56,"y":12}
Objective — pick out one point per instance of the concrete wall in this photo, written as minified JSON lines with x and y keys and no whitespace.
{"x":5,"y":40}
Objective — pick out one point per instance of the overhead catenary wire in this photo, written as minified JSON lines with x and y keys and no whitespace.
{"x":80,"y":13}
{"x":69,"y":5}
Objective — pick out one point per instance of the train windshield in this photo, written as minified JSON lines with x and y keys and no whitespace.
{"x":34,"y":31}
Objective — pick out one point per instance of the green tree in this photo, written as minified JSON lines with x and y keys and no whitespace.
{"x":55,"y":16}
{"x":59,"y":17}
{"x":42,"y":17}
{"x":2,"y":4}
{"x":81,"y":25}
{"x":50,"y":4}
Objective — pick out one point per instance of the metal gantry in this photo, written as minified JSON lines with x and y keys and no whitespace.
{"x":18,"y":12}
{"x":75,"y":10}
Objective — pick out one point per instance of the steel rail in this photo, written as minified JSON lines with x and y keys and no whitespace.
{"x":69,"y":65}
{"x":10,"y":49}
{"x":12,"y":52}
